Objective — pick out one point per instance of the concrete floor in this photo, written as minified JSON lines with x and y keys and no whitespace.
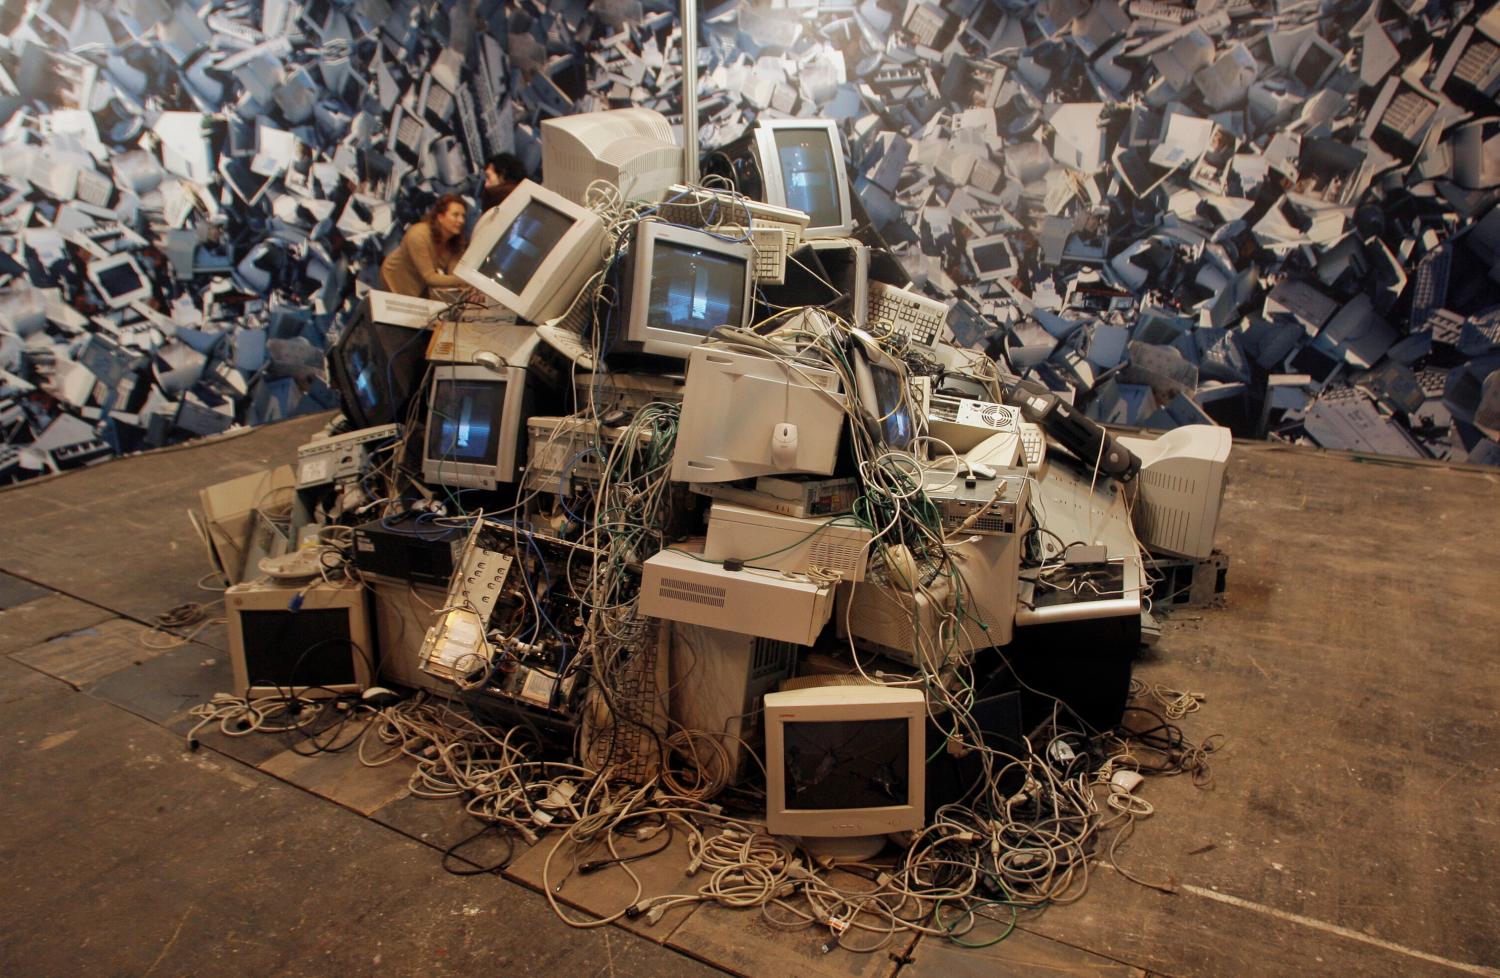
{"x":1351,"y":829}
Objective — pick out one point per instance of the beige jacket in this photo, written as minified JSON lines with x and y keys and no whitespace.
{"x":416,"y":266}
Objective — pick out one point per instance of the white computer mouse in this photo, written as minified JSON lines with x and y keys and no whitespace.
{"x":902,"y":564}
{"x":784,"y":445}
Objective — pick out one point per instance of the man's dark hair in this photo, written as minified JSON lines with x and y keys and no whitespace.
{"x":508,"y":166}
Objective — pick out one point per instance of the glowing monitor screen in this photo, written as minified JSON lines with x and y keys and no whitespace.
{"x":694,"y":290}
{"x":465,"y":424}
{"x":808,"y":174}
{"x":525,"y":245}
{"x":846,"y":764}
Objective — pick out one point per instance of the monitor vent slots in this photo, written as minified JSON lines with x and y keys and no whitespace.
{"x":1167,"y":525}
{"x":830,"y":553}
{"x":675,"y":589}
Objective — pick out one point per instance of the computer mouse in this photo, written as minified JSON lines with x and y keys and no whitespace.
{"x":981,"y":471}
{"x":784,"y":445}
{"x":902,"y":565}
{"x":378,"y":696}
{"x":487,"y":358}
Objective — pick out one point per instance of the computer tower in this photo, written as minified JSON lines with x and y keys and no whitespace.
{"x":718,"y":679}
{"x":403,"y":611}
{"x":406,"y":548}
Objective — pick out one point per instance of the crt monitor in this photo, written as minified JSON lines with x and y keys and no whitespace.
{"x":322,"y":648}
{"x":682,"y":285}
{"x":802,"y":167}
{"x":534,"y":252}
{"x":632,"y":149}
{"x":845,"y":762}
{"x":829,"y":272}
{"x":119,"y":280}
{"x":475,"y":419}
{"x":1175,"y":509}
{"x":882,"y":395}
{"x":378,"y":360}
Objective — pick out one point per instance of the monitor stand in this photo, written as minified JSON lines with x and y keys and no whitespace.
{"x":853,"y":849}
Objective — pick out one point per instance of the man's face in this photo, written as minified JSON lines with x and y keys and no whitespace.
{"x":491,"y":178}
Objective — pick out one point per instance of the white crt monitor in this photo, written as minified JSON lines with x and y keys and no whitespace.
{"x":475,"y":417}
{"x":119,"y":280}
{"x":533,"y":252}
{"x":685,"y":283}
{"x":732,"y":406}
{"x":845,"y":761}
{"x":632,"y":149}
{"x":1180,"y":489}
{"x":802,"y":167}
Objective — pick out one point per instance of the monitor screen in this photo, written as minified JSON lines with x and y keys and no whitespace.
{"x":895,"y":418}
{"x":367,"y":385}
{"x":465,"y":425}
{"x":695,"y":290}
{"x":119,"y":280}
{"x":808,"y":163}
{"x":375,"y":355}
{"x":843,"y":764}
{"x":1316,"y":61}
{"x":525,"y":245}
{"x":991,"y":258}
{"x":313,"y":647}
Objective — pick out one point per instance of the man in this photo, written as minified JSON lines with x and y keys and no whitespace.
{"x":502,"y":174}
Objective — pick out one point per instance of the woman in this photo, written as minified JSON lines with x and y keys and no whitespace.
{"x":428,"y":251}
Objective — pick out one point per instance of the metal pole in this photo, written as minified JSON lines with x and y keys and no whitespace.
{"x":690,"y":91}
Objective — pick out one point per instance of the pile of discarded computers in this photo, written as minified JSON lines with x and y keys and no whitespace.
{"x":691,"y":477}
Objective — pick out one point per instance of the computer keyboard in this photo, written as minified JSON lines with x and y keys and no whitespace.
{"x":409,"y":133}
{"x":439,"y":102}
{"x":770,"y":244}
{"x":1479,"y":64}
{"x":897,"y":312}
{"x":565,"y":334}
{"x":1430,"y":286}
{"x":1033,"y":446}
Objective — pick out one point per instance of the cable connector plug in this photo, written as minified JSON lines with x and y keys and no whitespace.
{"x":655,"y":914}
{"x":636,"y":909}
{"x":648,"y":832}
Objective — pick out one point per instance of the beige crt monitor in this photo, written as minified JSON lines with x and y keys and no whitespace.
{"x":534,"y":252}
{"x":845,"y":761}
{"x":631,"y":149}
{"x":802,"y":162}
{"x":322,"y":647}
